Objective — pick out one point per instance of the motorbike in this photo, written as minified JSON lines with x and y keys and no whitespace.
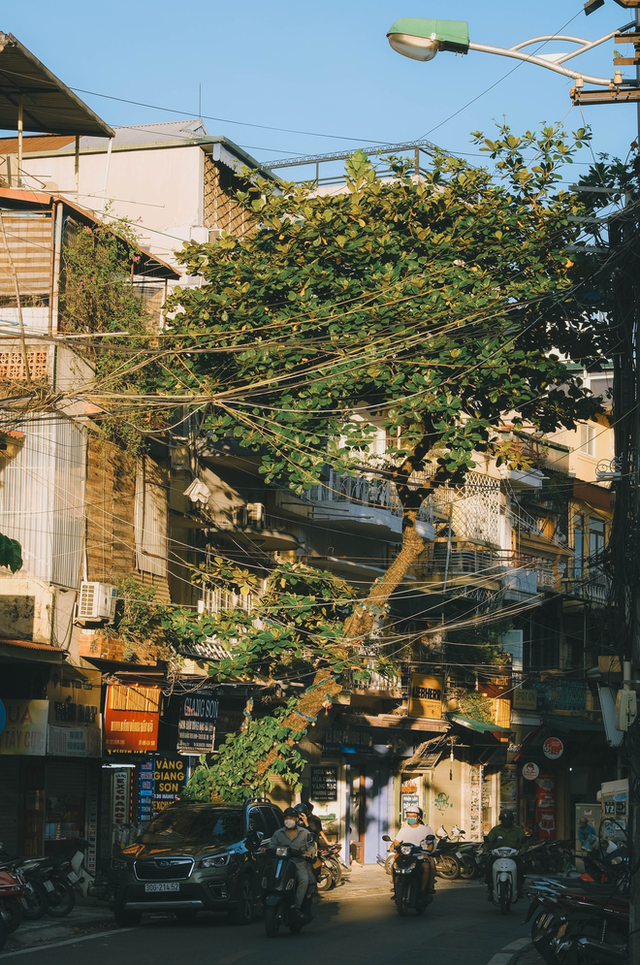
{"x":11,"y":906}
{"x":504,"y":878}
{"x":407,"y":878}
{"x":329,"y":873}
{"x":569,"y":929}
{"x":278,"y":888}
{"x":464,"y":852}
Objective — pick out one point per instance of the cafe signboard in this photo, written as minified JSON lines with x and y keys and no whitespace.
{"x":426,"y":696}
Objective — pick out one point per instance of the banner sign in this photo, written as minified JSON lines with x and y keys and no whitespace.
{"x":25,"y":730}
{"x":324,"y":784}
{"x":197,"y":722}
{"x":75,"y":741}
{"x":169,"y":778}
{"x":131,"y":719}
{"x":426,"y":696}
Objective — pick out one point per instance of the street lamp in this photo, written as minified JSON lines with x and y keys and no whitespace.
{"x":421,"y":39}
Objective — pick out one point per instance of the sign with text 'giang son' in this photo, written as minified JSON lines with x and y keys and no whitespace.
{"x":197,"y":722}
{"x":426,"y":696}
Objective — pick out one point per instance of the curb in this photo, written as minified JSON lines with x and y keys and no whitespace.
{"x":511,"y":953}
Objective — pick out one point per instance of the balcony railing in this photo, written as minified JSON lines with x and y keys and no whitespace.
{"x":587,"y":582}
{"x":362,"y":490}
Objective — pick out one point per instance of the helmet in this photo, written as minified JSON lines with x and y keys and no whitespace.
{"x":414,"y":809}
{"x":301,"y":808}
{"x":506,"y":817}
{"x":290,"y":813}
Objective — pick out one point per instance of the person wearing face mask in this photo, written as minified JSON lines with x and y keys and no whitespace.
{"x":414,"y":832}
{"x":301,"y":840}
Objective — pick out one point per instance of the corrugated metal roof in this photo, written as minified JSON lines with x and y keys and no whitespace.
{"x":48,"y":104}
{"x":206,"y":650}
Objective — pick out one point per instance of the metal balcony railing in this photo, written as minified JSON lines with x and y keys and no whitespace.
{"x":363,"y":490}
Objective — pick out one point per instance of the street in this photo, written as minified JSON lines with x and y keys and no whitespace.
{"x":354,"y":923}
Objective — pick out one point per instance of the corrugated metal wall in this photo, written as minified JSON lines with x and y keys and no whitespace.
{"x":42,"y":498}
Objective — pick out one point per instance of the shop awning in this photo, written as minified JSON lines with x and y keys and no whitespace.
{"x":27,"y":650}
{"x":572,"y":724}
{"x":479,"y":726}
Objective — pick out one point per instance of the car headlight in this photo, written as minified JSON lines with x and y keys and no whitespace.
{"x":118,"y":865}
{"x":216,"y":860}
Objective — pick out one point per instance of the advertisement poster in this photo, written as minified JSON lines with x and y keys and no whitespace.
{"x":131,"y":719}
{"x":546,"y":805}
{"x":426,"y":696}
{"x":509,"y":787}
{"x":25,"y":729}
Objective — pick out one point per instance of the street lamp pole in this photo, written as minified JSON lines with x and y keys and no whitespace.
{"x":422,"y":40}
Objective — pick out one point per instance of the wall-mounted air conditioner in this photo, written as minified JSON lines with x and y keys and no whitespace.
{"x":256,"y":514}
{"x":97,"y":602}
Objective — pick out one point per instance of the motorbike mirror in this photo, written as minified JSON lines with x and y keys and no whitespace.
{"x":385,"y":837}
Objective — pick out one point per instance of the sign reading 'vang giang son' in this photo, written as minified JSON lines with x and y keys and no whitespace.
{"x":426,"y":696}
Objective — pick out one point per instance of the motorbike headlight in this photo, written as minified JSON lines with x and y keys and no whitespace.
{"x":282,"y":852}
{"x":117,"y":864}
{"x":405,"y":849}
{"x":216,"y":860}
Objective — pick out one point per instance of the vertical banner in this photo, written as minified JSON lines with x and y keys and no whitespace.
{"x":546,"y":805}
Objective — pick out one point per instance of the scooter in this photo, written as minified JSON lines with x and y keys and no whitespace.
{"x":407,"y":878}
{"x":504,"y":878}
{"x":279,"y":887}
{"x":11,"y":904}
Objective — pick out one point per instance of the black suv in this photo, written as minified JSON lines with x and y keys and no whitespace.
{"x":195,"y":857}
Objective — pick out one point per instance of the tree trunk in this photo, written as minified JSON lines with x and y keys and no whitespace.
{"x":325,"y":687}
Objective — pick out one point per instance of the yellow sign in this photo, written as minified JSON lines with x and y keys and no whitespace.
{"x":426,"y":696}
{"x":525,"y":699}
{"x":25,"y":727}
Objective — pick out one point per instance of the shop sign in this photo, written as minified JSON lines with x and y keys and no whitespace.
{"x":169,"y":778}
{"x":545,"y":792}
{"x":530,"y":771}
{"x":348,"y":739}
{"x":553,"y":748}
{"x":131,"y":719}
{"x":25,"y":731}
{"x":525,"y":699}
{"x":324,"y":784}
{"x":407,"y":802}
{"x":120,"y":796}
{"x":75,"y":741}
{"x":426,"y":696}
{"x":197,"y":723}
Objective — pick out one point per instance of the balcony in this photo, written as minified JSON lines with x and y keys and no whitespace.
{"x":368,"y":501}
{"x":586,"y":583}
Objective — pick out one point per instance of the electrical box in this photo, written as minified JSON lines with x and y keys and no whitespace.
{"x":626,"y":709}
{"x":97,"y":602}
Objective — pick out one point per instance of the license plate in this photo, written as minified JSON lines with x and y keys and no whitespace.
{"x":458,"y":854}
{"x":48,"y":886}
{"x":162,"y":886}
{"x":72,"y":877}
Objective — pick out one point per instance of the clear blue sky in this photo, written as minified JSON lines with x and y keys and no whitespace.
{"x":325,"y":68}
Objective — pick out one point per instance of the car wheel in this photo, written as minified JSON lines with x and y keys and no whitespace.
{"x":127,"y":919}
{"x":242,"y":914}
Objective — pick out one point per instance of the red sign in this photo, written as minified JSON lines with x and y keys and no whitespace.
{"x":553,"y":748}
{"x":131,"y":719}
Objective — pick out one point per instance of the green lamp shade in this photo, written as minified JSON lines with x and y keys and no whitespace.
{"x":421,"y":39}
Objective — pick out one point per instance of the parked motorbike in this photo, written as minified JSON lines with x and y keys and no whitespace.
{"x":407,"y":878}
{"x":504,"y":878}
{"x":278,"y":887}
{"x":446,"y":858}
{"x":11,"y":906}
{"x":329,"y":873}
{"x":465,"y":852}
{"x":571,"y":929}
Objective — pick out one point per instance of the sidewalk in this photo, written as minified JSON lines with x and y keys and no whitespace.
{"x":83,"y":919}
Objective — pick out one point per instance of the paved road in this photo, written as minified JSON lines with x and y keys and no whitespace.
{"x":355,"y":924}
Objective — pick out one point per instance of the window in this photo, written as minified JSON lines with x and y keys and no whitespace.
{"x":578,"y":544}
{"x":272,"y":820}
{"x":588,"y":440}
{"x":596,"y":538}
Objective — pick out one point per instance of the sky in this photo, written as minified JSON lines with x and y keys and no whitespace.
{"x":296,"y":78}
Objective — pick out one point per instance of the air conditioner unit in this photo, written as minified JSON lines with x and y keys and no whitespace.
{"x":256,"y":514}
{"x":97,"y":602}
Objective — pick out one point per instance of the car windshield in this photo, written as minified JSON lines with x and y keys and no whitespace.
{"x":191,"y":825}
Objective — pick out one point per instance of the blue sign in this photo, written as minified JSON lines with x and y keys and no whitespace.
{"x":3,"y":716}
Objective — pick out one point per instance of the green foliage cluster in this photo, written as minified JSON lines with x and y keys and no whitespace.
{"x":437,"y":303}
{"x":98,"y":295}
{"x":234,"y":773}
{"x":10,"y":553}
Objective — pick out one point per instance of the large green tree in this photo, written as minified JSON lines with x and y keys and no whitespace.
{"x":430,"y":305}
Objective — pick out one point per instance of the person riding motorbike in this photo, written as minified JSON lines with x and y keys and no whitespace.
{"x":311,"y":821}
{"x":414,"y":832}
{"x":506,"y":834}
{"x":300,"y":839}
